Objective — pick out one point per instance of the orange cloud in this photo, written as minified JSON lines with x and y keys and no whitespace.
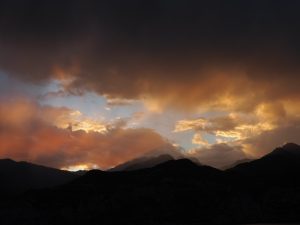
{"x":32,"y":132}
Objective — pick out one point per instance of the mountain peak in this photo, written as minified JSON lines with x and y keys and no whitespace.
{"x":178,"y":164}
{"x":17,"y":177}
{"x":143,"y":162}
{"x":289,"y":148}
{"x":7,"y":160}
{"x":281,"y":166}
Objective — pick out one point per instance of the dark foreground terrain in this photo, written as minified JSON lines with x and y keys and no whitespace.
{"x":173,"y":192}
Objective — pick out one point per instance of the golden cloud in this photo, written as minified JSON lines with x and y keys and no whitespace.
{"x":198,"y":139}
{"x":254,"y":133}
{"x":41,"y":134}
{"x":237,"y":126}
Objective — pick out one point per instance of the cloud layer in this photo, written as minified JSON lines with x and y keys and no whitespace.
{"x":208,"y":54}
{"x":237,"y":58}
{"x":43,"y":135}
{"x":218,"y":155}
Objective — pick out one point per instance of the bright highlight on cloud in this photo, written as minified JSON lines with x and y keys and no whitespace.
{"x":232,"y":127}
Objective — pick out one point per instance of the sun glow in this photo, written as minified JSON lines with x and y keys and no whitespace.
{"x":79,"y":167}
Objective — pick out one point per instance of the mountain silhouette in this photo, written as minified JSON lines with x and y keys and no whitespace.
{"x":142,"y":162}
{"x":17,"y":177}
{"x":179,"y":170}
{"x":150,"y":161}
{"x":234,"y":164}
{"x":280,"y":167}
{"x":174,"y":192}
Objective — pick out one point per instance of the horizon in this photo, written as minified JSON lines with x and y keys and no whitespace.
{"x":83,"y":167}
{"x":96,"y":84}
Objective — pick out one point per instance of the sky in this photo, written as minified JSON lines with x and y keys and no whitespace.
{"x":93,"y":84}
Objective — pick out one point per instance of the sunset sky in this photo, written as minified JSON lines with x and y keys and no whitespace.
{"x":92,"y":84}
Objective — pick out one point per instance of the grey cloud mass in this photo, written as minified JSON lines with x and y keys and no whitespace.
{"x":190,"y":52}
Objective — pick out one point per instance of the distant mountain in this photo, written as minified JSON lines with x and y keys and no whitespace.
{"x":179,"y":169}
{"x":80,"y":172}
{"x":17,"y":177}
{"x":171,"y":168}
{"x":246,"y":160}
{"x":149,"y":161}
{"x":142,"y":162}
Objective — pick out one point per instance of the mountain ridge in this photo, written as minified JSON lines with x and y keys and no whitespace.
{"x":18,"y":177}
{"x":173,"y":192}
{"x":142,"y":162}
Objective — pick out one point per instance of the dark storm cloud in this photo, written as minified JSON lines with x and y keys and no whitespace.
{"x":187,"y":51}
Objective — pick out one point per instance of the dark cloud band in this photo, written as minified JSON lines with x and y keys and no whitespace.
{"x":130,"y":49}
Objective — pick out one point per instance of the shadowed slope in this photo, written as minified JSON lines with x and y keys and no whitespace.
{"x":143,"y":162}
{"x":17,"y":177}
{"x":281,"y":166}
